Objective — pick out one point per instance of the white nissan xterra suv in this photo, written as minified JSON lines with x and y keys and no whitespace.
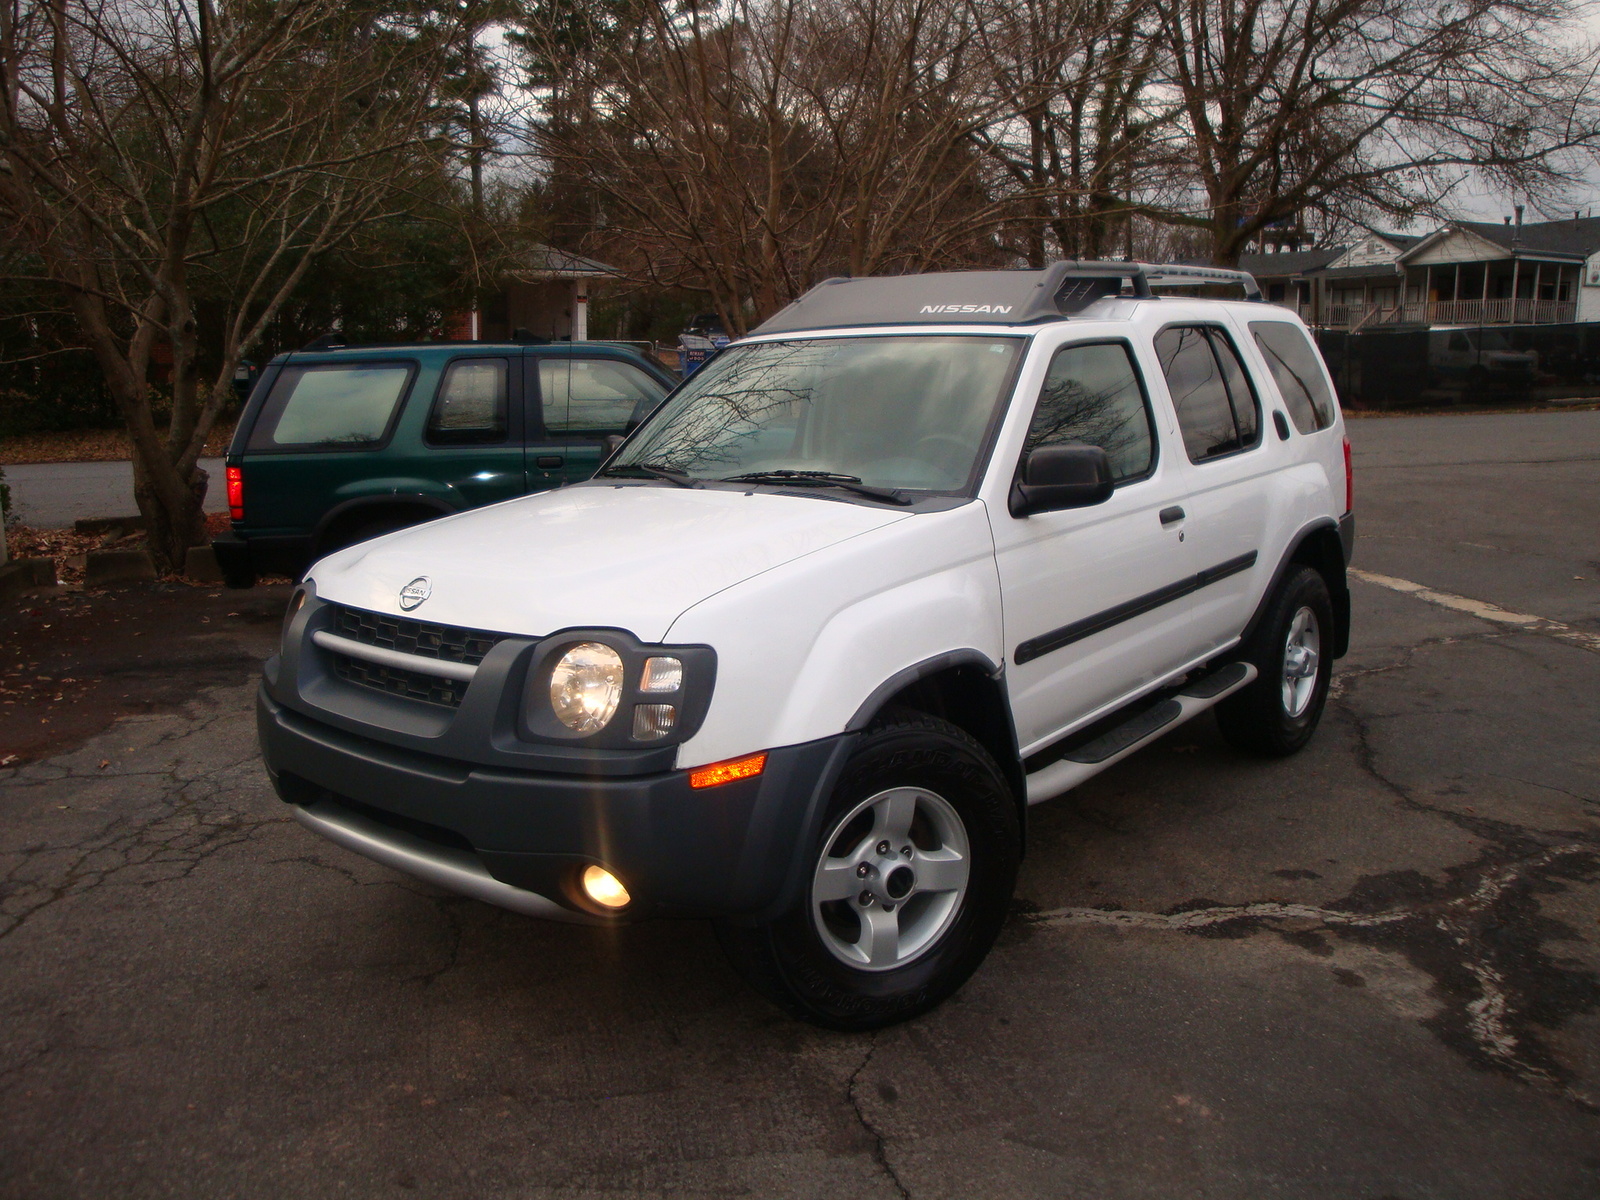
{"x":917,"y":553}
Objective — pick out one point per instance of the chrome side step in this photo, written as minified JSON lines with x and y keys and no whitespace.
{"x":1088,"y":760}
{"x":453,"y":870}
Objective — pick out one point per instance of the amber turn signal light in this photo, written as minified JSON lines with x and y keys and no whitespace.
{"x":726,"y":772}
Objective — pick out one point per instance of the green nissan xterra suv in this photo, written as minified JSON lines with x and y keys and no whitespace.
{"x":339,"y":445}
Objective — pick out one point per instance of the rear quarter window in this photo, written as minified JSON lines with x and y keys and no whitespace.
{"x":1297,"y":372}
{"x":331,"y":406}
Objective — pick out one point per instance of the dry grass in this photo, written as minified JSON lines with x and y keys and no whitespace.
{"x":92,"y":445}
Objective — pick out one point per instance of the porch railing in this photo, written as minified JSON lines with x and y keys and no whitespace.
{"x":1450,"y":312}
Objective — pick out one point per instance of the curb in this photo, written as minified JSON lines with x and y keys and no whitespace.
{"x":20,"y":574}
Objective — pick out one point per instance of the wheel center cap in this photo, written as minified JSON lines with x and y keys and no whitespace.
{"x":900,"y":882}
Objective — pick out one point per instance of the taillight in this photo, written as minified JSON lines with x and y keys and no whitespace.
{"x":1349,"y":480}
{"x":236,"y":489}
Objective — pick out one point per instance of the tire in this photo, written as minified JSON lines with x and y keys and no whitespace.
{"x":923,"y":826}
{"x":1278,"y":713}
{"x":238,"y":579}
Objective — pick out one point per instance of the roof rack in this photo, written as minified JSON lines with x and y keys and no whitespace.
{"x":986,"y":297}
{"x":1180,"y":275}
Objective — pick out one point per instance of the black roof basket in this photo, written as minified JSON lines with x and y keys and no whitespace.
{"x":985,"y":297}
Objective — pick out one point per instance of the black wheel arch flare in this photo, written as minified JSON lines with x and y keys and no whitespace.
{"x":1318,"y":546}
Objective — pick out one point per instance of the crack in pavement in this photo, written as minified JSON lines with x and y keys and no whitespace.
{"x":1475,"y":937}
{"x":182,"y":821}
{"x":1479,"y":936}
{"x":880,"y":1144}
{"x":1345,"y":679}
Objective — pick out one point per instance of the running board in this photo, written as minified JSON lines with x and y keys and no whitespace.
{"x":1088,"y":760}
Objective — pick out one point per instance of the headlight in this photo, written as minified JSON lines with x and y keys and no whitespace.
{"x":586,"y":687}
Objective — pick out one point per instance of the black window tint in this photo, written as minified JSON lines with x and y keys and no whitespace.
{"x":1246,"y":408}
{"x":334,"y":405}
{"x":1092,"y":395}
{"x":471,"y":404}
{"x":1198,"y":392}
{"x":591,"y":396}
{"x":1297,"y":372}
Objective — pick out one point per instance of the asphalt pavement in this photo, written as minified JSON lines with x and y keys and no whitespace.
{"x":54,"y":495}
{"x":1369,"y":971}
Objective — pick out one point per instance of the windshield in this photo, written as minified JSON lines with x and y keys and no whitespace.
{"x":890,"y":412}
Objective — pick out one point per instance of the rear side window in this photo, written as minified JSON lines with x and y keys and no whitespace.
{"x":1297,"y":372}
{"x":471,"y":405}
{"x":1092,"y":396}
{"x":332,"y":406}
{"x":585,"y":397}
{"x":1217,"y":409}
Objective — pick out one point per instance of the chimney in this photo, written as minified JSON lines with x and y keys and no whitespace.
{"x":1508,"y":222}
{"x":1518,"y":211}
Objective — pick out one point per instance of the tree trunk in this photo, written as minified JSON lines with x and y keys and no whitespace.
{"x":170,"y":529}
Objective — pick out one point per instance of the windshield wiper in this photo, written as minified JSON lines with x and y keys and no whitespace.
{"x":850,"y":483}
{"x":655,"y":472}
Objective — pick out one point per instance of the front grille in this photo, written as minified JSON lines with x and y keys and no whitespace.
{"x":414,"y":685}
{"x":444,"y":642}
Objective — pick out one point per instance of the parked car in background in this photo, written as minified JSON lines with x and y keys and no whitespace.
{"x":338,"y":445}
{"x":703,"y":337}
{"x":1477,"y":359}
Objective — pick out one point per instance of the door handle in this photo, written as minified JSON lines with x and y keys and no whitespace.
{"x":1169,"y":515}
{"x":548,"y":460}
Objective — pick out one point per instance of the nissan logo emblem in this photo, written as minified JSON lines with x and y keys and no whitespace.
{"x":415,"y":592}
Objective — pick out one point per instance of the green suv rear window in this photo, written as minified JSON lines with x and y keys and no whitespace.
{"x":331,"y":406}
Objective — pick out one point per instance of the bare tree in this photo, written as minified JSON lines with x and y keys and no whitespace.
{"x":1367,"y":109}
{"x":1082,"y":138}
{"x":755,"y":149}
{"x":147,"y":145}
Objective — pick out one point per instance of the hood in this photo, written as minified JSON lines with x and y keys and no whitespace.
{"x":631,"y":557}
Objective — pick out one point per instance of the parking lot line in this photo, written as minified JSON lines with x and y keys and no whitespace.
{"x":1482,"y":609}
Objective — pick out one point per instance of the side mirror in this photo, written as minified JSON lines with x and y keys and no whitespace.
{"x":1056,"y":477}
{"x":613,"y":443}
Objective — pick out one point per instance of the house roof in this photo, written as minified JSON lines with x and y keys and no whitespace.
{"x":1580,"y":237}
{"x":546,"y":262}
{"x":1575,"y":239}
{"x":1294,"y":262}
{"x":1378,"y":270}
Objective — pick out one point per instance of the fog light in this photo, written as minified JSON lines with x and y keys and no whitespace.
{"x":652,"y":721}
{"x":604,"y":888}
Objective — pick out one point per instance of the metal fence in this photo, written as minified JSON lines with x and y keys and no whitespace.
{"x":1466,"y":365}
